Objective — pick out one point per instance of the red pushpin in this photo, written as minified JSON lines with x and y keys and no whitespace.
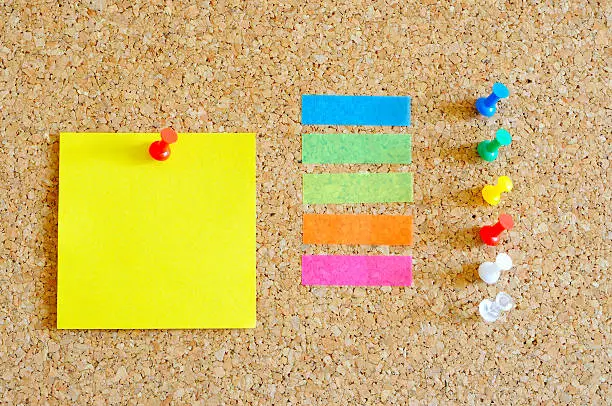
{"x":490,"y":234}
{"x":160,"y":150}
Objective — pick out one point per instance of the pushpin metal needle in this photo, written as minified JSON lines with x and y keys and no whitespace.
{"x":160,"y":150}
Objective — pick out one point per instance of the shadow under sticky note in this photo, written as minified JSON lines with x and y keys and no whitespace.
{"x":359,"y":270}
{"x":355,"y":110}
{"x":147,"y":244}
{"x":357,"y":229}
{"x":330,"y":188}
{"x":356,"y":148}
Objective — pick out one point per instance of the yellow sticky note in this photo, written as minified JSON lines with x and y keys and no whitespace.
{"x":147,"y":244}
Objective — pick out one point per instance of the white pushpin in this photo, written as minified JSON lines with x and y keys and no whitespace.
{"x":490,"y":271}
{"x":491,"y":310}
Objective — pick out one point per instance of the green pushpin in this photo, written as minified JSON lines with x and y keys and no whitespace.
{"x":488,"y":149}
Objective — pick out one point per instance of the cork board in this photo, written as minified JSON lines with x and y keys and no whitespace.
{"x":241,"y":67}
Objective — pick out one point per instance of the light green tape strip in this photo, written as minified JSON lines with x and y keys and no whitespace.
{"x":357,"y":187}
{"x":356,"y":149}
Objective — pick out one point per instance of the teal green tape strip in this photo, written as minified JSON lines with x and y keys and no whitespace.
{"x":357,"y":187}
{"x":356,"y":149}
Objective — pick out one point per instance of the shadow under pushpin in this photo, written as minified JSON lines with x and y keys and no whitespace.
{"x":461,"y":110}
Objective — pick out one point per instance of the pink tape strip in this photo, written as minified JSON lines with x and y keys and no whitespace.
{"x":346,"y":270}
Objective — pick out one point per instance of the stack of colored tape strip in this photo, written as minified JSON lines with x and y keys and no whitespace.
{"x":339,"y":188}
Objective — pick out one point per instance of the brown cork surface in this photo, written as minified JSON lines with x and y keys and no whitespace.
{"x":231,"y":65}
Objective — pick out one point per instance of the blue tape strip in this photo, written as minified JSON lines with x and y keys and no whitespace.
{"x":355,"y":110}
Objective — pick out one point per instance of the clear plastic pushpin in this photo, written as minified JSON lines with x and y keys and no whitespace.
{"x":490,"y":271}
{"x":491,"y":310}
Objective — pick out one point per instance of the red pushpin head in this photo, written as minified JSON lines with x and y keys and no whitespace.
{"x":160,"y":150}
{"x":490,"y":234}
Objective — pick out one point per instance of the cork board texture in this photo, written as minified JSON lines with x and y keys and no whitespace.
{"x":237,"y":66}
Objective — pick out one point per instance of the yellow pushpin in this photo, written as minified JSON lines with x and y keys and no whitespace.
{"x":492,"y":194}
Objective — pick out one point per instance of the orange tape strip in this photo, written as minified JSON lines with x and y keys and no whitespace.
{"x":357,"y":229}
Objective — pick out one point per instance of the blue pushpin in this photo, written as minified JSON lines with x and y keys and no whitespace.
{"x":488,"y":105}
{"x":488,"y":149}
